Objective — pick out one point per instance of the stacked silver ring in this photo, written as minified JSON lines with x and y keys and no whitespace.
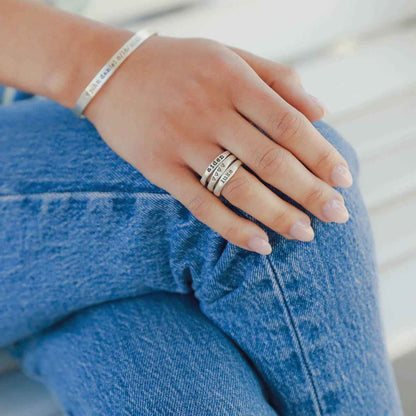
{"x":220,"y":171}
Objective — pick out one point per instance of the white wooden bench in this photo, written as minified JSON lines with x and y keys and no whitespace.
{"x":359,"y":58}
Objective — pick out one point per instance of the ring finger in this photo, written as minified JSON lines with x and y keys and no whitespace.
{"x":281,"y":169}
{"x":246,"y":192}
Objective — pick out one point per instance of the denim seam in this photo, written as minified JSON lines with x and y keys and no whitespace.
{"x":298,"y":340}
{"x":75,"y":194}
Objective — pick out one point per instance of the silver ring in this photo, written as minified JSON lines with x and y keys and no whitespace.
{"x":219,"y":170}
{"x":228,"y":174}
{"x":212,"y":166}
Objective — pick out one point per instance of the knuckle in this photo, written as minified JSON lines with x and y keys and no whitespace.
{"x":219,"y":66}
{"x":287,"y":126}
{"x":231,"y":233}
{"x":197,"y":205}
{"x":194,"y":98}
{"x":224,"y":61}
{"x":236,"y":187}
{"x":271,"y":161}
{"x":290,"y":73}
{"x":315,"y":195}
{"x":210,"y":44}
{"x":279,"y":220}
{"x":228,"y":69}
{"x":325,"y":159}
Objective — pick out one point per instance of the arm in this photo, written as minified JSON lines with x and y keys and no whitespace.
{"x":50,"y":52}
{"x":176,"y":104}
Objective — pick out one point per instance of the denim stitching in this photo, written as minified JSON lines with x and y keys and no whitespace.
{"x":81,"y":194}
{"x":297,"y":336}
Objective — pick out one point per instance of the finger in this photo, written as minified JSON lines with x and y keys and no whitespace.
{"x":280,"y":168}
{"x":246,"y":192}
{"x":291,"y":129}
{"x":209,"y":209}
{"x":286,"y":82}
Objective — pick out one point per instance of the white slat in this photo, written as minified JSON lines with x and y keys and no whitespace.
{"x":398,"y":288}
{"x":363,"y":74}
{"x":394,"y":228}
{"x":279,"y":28}
{"x":390,"y":174}
{"x":381,"y":125}
{"x":21,"y":397}
{"x":125,"y":10}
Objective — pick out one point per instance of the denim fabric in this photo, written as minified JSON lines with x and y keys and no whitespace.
{"x":154,"y":355}
{"x":81,"y":230}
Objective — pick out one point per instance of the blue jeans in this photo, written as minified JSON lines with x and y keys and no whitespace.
{"x":119,"y":300}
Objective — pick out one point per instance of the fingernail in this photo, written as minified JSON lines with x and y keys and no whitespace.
{"x":335,"y":211}
{"x":302,"y":231}
{"x":320,"y":104}
{"x":259,"y":245}
{"x":341,"y":176}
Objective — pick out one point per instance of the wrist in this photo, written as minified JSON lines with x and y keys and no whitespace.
{"x":93,"y":45}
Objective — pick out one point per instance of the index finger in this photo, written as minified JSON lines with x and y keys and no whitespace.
{"x":257,"y":102}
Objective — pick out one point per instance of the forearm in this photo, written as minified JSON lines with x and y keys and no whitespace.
{"x":50,"y":52}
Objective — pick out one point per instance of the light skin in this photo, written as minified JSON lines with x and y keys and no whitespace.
{"x":174,"y":105}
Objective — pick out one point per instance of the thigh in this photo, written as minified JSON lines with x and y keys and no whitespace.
{"x":151,"y":355}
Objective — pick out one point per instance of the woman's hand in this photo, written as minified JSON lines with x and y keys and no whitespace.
{"x":176,"y":104}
